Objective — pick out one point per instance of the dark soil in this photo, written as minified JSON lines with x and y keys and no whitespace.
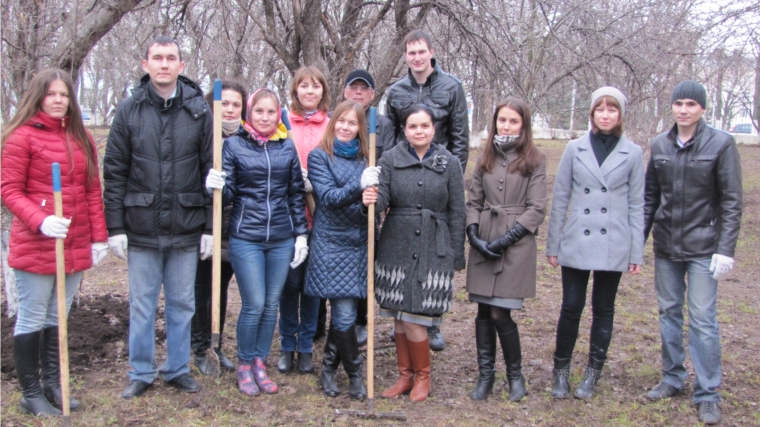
{"x":98,"y":328}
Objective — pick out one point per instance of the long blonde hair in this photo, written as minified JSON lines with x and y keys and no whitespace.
{"x":31,"y":104}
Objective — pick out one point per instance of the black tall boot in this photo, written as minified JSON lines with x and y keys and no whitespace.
{"x":224,"y":362}
{"x":485,"y":339}
{"x":590,"y":378}
{"x":51,"y":369}
{"x":510,"y":346}
{"x":26,"y":355}
{"x":561,"y":388}
{"x":200,"y":336}
{"x":348,"y":348}
{"x":330,"y":364}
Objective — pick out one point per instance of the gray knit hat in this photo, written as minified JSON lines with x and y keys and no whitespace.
{"x":608,"y":91}
{"x":689,"y":89}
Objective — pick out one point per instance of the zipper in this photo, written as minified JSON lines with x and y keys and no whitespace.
{"x":242,"y":212}
{"x":269,"y":185}
{"x":419,"y":97}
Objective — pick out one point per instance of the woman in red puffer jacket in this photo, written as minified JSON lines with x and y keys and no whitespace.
{"x":48,"y":128}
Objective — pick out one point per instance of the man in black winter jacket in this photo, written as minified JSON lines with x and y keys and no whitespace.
{"x":427,"y":84}
{"x":159,"y":152}
{"x":693,"y":199}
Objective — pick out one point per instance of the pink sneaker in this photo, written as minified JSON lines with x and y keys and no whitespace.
{"x":246,"y":383}
{"x":260,"y":374}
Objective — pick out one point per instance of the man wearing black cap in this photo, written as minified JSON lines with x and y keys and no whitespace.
{"x":693,"y":198}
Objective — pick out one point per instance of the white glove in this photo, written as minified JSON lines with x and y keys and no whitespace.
{"x":721,"y":265}
{"x":302,"y":251}
{"x":207,"y":246}
{"x":370,"y":176}
{"x":55,"y":227}
{"x":99,"y":251}
{"x":215,"y":180}
{"x":306,"y":182}
{"x":118,"y":245}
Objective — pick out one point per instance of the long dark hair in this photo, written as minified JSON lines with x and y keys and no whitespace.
{"x":31,"y":104}
{"x":229,"y":85}
{"x":528,"y":155}
{"x":328,"y":140}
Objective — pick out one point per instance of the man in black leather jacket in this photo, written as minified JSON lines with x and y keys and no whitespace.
{"x":693,"y":199}
{"x":427,"y":84}
{"x":157,"y":210}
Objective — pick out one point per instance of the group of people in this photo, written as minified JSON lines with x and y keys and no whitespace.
{"x":295,"y":226}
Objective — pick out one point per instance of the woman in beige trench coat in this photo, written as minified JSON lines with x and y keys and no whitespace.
{"x":507,"y":203}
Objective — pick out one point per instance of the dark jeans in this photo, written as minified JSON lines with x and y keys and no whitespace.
{"x":361,"y":313}
{"x":298,"y":313}
{"x":201,"y":324}
{"x":574,"y":285}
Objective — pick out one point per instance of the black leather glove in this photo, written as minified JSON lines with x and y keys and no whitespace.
{"x":508,"y":239}
{"x":479,"y":244}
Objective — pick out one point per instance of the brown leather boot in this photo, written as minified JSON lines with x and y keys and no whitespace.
{"x":420,"y":352}
{"x":405,"y":380}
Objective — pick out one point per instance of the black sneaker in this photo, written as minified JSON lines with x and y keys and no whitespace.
{"x":709,"y":412}
{"x":437,"y":343}
{"x":661,"y":391}
{"x":184,"y":383}
{"x":135,"y":388}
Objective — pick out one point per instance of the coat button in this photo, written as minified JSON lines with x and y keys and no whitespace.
{"x":586,"y":211}
{"x":414,"y":256}
{"x":504,"y":164}
{"x":586,"y":190}
{"x":603,"y":231}
{"x":419,"y":207}
{"x":604,"y":189}
{"x":501,"y":188}
{"x":416,"y":232}
{"x":587,"y":232}
{"x":501,"y":181}
{"x":420,"y":183}
{"x":604,"y":210}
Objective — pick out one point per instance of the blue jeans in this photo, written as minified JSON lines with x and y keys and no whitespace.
{"x":704,"y":340}
{"x":38,"y":301}
{"x":261,"y":269}
{"x":148,"y":269}
{"x":342,"y":313}
{"x":294,"y":303}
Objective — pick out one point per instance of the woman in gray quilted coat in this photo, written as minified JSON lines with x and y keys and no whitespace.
{"x":421,"y":242}
{"x":337,"y":267}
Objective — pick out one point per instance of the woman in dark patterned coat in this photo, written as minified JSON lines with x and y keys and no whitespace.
{"x":421,"y":242}
{"x":338,"y":264}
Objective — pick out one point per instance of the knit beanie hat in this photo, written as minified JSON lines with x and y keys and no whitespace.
{"x":612,"y":92}
{"x":689,"y":89}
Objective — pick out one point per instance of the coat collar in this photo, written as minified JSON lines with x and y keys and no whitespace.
{"x":616,"y":157}
{"x":438,"y":162}
{"x":45,"y":121}
{"x":318,"y":117}
{"x":431,"y":77}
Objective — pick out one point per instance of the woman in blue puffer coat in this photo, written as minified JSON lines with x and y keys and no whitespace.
{"x":338,"y":265}
{"x":263,"y":181}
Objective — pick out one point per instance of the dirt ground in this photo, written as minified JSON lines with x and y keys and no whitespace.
{"x":98,"y":327}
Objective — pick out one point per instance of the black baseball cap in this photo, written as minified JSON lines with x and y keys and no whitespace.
{"x":360,"y":75}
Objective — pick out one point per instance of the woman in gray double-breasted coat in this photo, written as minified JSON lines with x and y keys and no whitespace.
{"x":421,"y":242}
{"x":507,"y":203}
{"x":602,"y":174}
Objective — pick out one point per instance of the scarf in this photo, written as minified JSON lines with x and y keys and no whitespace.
{"x":279,"y":131}
{"x":229,"y":127}
{"x":309,"y":114}
{"x":505,"y":143}
{"x":347,"y":150}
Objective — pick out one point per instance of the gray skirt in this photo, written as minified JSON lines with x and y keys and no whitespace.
{"x":507,"y":303}
{"x":417,"y":319}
